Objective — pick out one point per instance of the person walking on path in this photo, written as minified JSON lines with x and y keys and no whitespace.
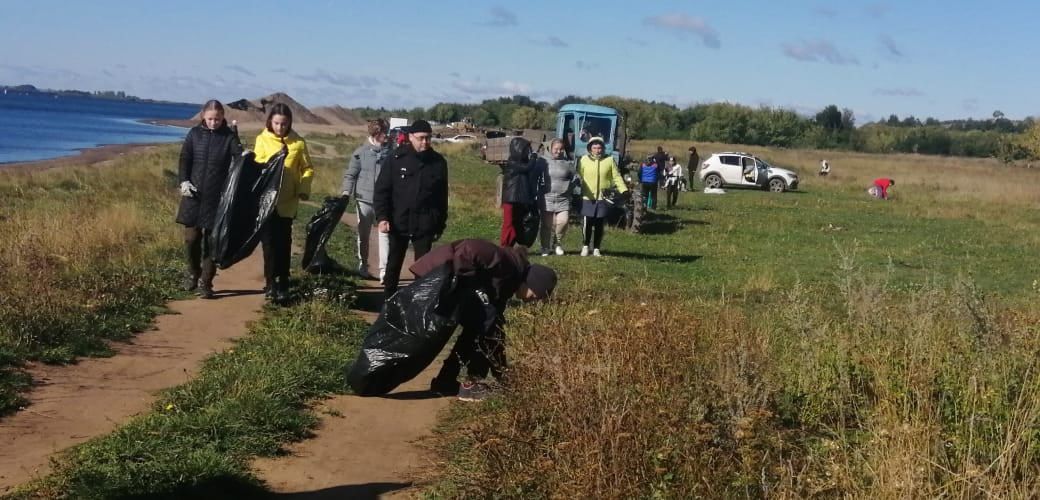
{"x":648,"y":178}
{"x":672,"y":181}
{"x":203,"y":168}
{"x":556,"y":185}
{"x":598,"y":172}
{"x":411,"y":200}
{"x":487,"y":274}
{"x":276,"y":237}
{"x":359,"y":181}
{"x":517,"y":192}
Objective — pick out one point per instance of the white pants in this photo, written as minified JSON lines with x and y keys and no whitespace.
{"x":366,"y":222}
{"x":553,"y":224}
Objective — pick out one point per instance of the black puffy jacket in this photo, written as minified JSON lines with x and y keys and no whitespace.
{"x":205,"y":160}
{"x":412,"y":192}
{"x":517,"y":185}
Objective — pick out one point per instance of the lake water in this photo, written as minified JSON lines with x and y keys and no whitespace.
{"x":40,"y":126}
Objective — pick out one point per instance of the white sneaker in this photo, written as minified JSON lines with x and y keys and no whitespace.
{"x":595,"y":253}
{"x":585,"y":251}
{"x":546,"y":252}
{"x":559,"y":250}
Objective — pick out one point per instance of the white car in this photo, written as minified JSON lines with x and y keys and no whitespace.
{"x":461,"y":138}
{"x":745,"y":170}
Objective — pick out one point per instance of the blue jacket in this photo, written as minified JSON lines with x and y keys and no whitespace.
{"x":648,"y":173}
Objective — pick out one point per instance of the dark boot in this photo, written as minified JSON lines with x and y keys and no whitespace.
{"x":191,"y":282}
{"x":269,"y":289}
{"x":281,"y":291}
{"x":209,"y":271}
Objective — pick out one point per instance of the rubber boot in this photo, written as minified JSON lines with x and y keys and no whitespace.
{"x":281,"y":291}
{"x":209,"y":270}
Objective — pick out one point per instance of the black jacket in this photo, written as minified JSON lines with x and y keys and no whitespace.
{"x":517,"y":185}
{"x":205,"y":160}
{"x":412,"y":192}
{"x":662,"y":164}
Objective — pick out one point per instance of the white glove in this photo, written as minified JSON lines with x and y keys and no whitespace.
{"x":188,"y":189}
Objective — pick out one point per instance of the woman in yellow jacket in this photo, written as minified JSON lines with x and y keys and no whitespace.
{"x":296,"y":185}
{"x":598,"y":172}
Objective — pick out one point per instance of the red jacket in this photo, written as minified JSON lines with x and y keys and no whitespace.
{"x":883,"y":184}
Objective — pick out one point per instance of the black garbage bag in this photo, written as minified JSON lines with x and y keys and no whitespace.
{"x":315,"y":258}
{"x":619,"y":213}
{"x":250,"y":197}
{"x":411,"y":331}
{"x":529,"y":228}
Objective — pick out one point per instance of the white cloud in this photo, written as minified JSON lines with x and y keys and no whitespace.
{"x":818,"y":51}
{"x":899,"y":92}
{"x":686,"y":25}
{"x":890,"y":47}
{"x":501,"y":17}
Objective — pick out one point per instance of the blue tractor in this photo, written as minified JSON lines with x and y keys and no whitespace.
{"x":576,"y":124}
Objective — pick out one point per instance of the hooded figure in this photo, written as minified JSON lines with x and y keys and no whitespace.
{"x":517,"y":190}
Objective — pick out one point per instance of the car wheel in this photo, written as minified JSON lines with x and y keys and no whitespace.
{"x":713,"y":181}
{"x":777,"y":185}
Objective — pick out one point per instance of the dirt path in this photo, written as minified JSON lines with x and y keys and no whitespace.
{"x":372,"y":447}
{"x":72,"y":404}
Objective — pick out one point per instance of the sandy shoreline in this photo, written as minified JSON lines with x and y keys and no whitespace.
{"x":85,"y":157}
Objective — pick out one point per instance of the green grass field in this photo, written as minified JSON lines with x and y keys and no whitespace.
{"x":751,"y":344}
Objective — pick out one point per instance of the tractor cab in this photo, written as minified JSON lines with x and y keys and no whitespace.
{"x":576,"y":124}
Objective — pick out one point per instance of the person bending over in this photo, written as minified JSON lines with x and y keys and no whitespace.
{"x":488,"y":275}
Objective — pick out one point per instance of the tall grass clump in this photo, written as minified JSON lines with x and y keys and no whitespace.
{"x":853,"y":389}
{"x":88,"y":255}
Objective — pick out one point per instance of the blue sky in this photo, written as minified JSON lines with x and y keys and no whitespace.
{"x":946,"y":59}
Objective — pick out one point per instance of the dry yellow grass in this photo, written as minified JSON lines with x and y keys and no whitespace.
{"x":931,"y":178}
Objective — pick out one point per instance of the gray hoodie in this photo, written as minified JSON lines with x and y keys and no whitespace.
{"x":359,"y":180}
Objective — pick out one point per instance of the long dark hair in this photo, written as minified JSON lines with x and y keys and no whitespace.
{"x":280,"y":109}
{"x":211,"y":105}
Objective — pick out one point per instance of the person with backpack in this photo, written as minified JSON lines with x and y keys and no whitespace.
{"x":598,"y":172}
{"x":203,"y":169}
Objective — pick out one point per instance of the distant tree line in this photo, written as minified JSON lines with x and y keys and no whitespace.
{"x":830,"y":128}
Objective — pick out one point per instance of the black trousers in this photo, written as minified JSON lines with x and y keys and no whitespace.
{"x":592,"y":231}
{"x":481,"y":345}
{"x":276,"y":241}
{"x":395,"y":258}
{"x":200,"y":260}
{"x":650,"y":194}
{"x":673,"y":194}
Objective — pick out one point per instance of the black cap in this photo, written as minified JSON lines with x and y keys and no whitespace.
{"x":420,"y":127}
{"x":541,"y":280}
